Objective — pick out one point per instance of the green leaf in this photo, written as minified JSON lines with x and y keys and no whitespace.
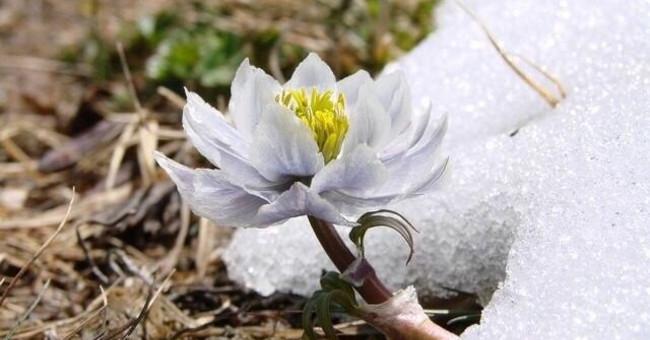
{"x":324,"y":315}
{"x":200,"y":53}
{"x":332,"y":281}
{"x":307,"y":320}
{"x":335,"y":294}
{"x":383,"y":218}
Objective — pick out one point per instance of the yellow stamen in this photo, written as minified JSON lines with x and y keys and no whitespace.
{"x":323,"y":113}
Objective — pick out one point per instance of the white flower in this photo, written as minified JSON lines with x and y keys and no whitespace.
{"x":313,"y":146}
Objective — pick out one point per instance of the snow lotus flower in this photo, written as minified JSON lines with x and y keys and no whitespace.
{"x":313,"y":146}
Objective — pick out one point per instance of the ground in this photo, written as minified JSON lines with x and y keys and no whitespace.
{"x":94,"y":240}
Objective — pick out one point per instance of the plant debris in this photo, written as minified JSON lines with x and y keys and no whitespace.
{"x":95,"y":241}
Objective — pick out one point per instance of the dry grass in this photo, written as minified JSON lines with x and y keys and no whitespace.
{"x":121,"y":261}
{"x":124,"y":258}
{"x":95,"y":242}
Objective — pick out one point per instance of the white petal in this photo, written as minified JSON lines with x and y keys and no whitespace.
{"x":369,"y":122}
{"x":358,"y":173}
{"x":224,"y":157}
{"x":211,"y":125}
{"x":180,"y":174}
{"x":245,"y":174}
{"x":407,"y":139}
{"x":283,"y":146}
{"x":210,"y":194}
{"x":412,"y":173}
{"x":350,"y":86}
{"x":251,"y":91}
{"x":397,"y":147}
{"x":297,"y":201}
{"x":431,"y":182}
{"x":428,"y":144}
{"x":353,"y":205}
{"x":418,"y":161}
{"x":422,"y":122}
{"x":312,"y":72}
{"x":219,"y":142}
{"x":394,"y":94}
{"x":242,"y":75}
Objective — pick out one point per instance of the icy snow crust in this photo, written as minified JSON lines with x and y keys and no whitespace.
{"x":564,"y":201}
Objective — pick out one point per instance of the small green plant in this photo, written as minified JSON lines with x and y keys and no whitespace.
{"x":198,"y":53}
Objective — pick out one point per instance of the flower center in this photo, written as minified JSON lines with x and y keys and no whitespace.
{"x":323,"y":113}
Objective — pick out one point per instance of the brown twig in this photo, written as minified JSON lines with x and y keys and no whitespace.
{"x":29,"y":311}
{"x":129,"y":80}
{"x":75,"y":149}
{"x":23,"y":270}
{"x":170,"y":95}
{"x":148,"y":143}
{"x":82,"y":324}
{"x":52,"y":216}
{"x":14,"y":150}
{"x":151,"y":298}
{"x":95,"y":269}
{"x":102,"y":309}
{"x":172,"y":259}
{"x":29,"y":63}
{"x":205,"y":245}
{"x":547,"y":75}
{"x":546,"y":94}
{"x":118,"y":154}
{"x":141,"y":316}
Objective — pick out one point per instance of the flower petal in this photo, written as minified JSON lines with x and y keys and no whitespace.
{"x":349,"y":204}
{"x":394,"y":94}
{"x":415,"y":173}
{"x":350,"y":86}
{"x":421,"y":124}
{"x":210,"y":127}
{"x":418,"y":161}
{"x":251,"y":90}
{"x":283,"y":146}
{"x":407,"y":139}
{"x":297,"y":201}
{"x":312,"y":72}
{"x":369,"y":122}
{"x":212,"y":195}
{"x":424,"y":149}
{"x":219,"y":142}
{"x":358,"y":173}
{"x":431,"y":182}
{"x":244,"y":174}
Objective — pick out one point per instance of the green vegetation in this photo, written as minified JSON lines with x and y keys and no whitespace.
{"x":200,"y":44}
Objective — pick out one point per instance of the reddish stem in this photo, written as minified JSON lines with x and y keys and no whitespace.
{"x":373,"y":290}
{"x":408,"y":324}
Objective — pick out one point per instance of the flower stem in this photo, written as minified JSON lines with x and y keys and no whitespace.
{"x":372,"y":291}
{"x":398,"y":321}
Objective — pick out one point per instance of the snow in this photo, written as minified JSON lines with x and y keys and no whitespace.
{"x":555,"y":215}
